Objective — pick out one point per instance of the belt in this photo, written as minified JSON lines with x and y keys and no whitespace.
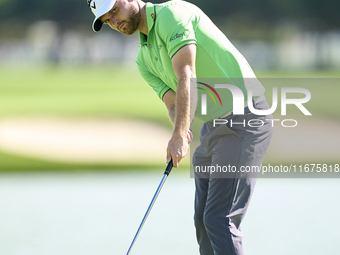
{"x":255,"y":100}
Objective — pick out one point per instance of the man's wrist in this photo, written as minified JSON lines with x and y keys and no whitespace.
{"x":179,"y":134}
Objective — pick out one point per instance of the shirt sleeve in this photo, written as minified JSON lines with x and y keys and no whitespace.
{"x":156,"y":83}
{"x":175,"y":27}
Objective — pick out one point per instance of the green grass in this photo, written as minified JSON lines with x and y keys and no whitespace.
{"x":110,"y":91}
{"x":324,"y":100}
{"x":17,"y":163}
{"x":102,"y":92}
{"x":118,"y":92}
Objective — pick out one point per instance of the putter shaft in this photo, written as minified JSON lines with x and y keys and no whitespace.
{"x":166,"y":173}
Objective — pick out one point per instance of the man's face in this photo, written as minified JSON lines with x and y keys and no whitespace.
{"x":124,"y":16}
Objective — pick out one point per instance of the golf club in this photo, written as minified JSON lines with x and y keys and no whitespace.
{"x":166,"y":173}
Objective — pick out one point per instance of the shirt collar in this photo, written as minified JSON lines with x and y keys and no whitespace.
{"x":150,"y":10}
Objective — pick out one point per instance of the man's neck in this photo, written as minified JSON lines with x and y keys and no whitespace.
{"x":143,"y":25}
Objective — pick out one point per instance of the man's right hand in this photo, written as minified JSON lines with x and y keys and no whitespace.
{"x":189,"y":136}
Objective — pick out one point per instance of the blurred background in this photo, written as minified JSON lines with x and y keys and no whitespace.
{"x":83,"y":137}
{"x":271,"y":34}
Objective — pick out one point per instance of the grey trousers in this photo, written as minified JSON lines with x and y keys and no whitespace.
{"x":222,"y":197}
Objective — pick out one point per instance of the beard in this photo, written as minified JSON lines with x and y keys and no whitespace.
{"x":132,"y":22}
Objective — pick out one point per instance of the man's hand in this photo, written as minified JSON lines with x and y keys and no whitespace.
{"x":189,"y":136}
{"x":177,"y":149}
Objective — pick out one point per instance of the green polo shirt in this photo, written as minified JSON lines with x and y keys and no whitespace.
{"x":171,"y":26}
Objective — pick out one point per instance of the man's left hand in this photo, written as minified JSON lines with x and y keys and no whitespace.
{"x":177,"y":149}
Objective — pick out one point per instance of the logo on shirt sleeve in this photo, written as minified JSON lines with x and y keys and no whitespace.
{"x":184,"y":34}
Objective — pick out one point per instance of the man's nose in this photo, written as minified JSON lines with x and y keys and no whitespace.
{"x":115,"y":22}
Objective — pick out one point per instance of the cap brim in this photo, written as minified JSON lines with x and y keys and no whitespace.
{"x":97,"y":24}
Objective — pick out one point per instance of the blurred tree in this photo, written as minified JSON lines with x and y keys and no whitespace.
{"x":15,"y":15}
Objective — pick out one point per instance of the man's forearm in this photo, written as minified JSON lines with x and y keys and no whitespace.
{"x":182,"y":114}
{"x":172,"y":113}
{"x":182,"y":119}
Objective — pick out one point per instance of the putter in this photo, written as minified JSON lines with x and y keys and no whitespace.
{"x":166,"y":173}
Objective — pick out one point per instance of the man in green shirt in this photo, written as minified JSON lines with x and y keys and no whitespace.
{"x":180,"y":50}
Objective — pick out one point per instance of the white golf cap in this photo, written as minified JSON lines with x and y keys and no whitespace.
{"x":99,"y":8}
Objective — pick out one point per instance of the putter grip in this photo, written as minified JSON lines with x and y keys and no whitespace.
{"x":168,"y":168}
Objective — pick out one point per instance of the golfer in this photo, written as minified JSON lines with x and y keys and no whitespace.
{"x":180,"y":48}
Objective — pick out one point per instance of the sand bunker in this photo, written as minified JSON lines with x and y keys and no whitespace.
{"x":121,"y":141}
{"x":111,"y":141}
